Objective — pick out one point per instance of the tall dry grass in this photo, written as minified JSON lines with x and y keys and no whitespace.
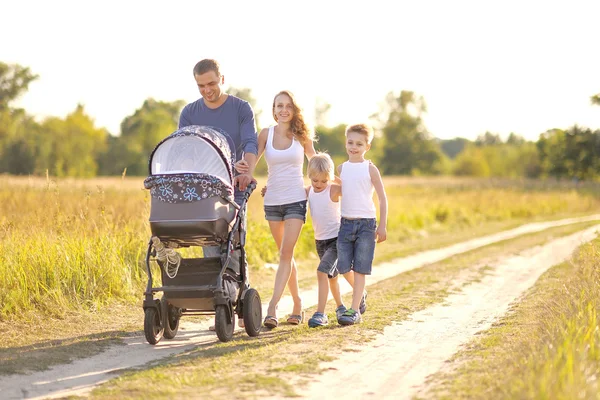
{"x":81,"y":243}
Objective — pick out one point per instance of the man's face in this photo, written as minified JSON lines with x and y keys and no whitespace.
{"x":209,"y":85}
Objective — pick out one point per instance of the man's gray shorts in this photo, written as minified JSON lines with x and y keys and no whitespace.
{"x":327,"y":251}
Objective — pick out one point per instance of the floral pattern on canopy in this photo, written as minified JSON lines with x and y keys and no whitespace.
{"x":185,"y":188}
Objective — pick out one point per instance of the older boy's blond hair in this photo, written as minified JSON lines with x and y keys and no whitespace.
{"x":363,"y":129}
{"x":321,"y":164}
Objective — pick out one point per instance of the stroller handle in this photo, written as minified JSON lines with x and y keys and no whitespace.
{"x":249,"y":189}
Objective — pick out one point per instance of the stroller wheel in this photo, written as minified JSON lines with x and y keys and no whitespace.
{"x":224,"y":322}
{"x":252,"y":309}
{"x":170,"y":319}
{"x":152,"y":325}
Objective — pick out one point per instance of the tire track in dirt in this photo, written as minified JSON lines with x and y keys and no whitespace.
{"x":81,"y":376}
{"x":396,"y":364}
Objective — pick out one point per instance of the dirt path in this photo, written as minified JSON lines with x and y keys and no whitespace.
{"x":397,"y":363}
{"x":81,"y":376}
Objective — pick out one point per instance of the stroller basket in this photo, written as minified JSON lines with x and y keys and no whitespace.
{"x":190,"y":209}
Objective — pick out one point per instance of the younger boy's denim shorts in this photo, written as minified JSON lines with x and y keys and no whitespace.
{"x":282,"y":212}
{"x":327,"y":251}
{"x":356,"y":245}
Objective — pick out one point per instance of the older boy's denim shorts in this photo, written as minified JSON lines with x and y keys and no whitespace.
{"x":282,"y":212}
{"x":356,"y":245}
{"x":327,"y":251}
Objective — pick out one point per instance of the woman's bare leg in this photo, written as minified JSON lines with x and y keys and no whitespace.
{"x":286,"y":235}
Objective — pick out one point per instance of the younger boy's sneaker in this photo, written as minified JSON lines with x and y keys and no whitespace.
{"x":340,"y":311}
{"x":318,"y":319}
{"x":363,"y":303}
{"x":350,"y":317}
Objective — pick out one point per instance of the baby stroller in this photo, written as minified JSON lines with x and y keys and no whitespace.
{"x":192,"y":204}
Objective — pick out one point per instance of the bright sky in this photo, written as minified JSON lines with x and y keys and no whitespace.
{"x":503,"y":66}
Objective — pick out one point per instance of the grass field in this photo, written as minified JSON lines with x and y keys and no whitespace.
{"x":73,"y":244}
{"x":548,"y":347}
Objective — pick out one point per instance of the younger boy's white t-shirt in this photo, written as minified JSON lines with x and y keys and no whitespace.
{"x":325,"y":214}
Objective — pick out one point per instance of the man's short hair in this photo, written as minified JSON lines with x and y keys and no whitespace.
{"x":205,"y":66}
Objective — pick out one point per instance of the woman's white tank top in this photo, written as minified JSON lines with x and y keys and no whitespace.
{"x":357,"y":191}
{"x":285,"y":183}
{"x":325,"y":214}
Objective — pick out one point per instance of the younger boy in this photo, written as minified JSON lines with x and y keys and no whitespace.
{"x":323,"y":200}
{"x":358,"y":227}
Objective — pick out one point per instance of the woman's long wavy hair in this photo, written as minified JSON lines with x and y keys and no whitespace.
{"x":299,"y":128}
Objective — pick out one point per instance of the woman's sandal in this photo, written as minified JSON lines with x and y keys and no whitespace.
{"x":296,"y":319}
{"x":270,"y":322}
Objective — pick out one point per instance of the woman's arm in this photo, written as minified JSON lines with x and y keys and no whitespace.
{"x":309,"y":149}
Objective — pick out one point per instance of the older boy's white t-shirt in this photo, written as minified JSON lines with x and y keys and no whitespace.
{"x":357,"y":190}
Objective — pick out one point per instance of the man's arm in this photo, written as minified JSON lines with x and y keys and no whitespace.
{"x":381,"y":233}
{"x":248,"y":134}
{"x":249,"y":144}
{"x":183,"y":118}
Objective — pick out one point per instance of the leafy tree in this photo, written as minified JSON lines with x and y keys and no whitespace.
{"x":452,"y":147}
{"x":471,"y":162}
{"x":595,"y":99}
{"x":333,"y":141}
{"x":14,"y":81}
{"x":573,"y":153}
{"x":408,"y":147}
{"x":246,"y":94}
{"x":17,"y":142}
{"x":322,"y":109}
{"x":514,"y":139}
{"x":141,"y":132}
{"x":17,"y":146}
{"x":70,"y":146}
{"x":488,"y":139}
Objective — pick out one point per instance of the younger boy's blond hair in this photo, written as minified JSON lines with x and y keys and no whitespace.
{"x":363,"y":129}
{"x":321,"y":164}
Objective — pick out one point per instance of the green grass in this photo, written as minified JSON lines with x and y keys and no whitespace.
{"x":282,"y":360}
{"x":80,"y":244}
{"x":72,"y":251}
{"x":548,"y":347}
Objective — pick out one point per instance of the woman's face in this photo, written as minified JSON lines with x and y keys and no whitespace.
{"x":283,"y":109}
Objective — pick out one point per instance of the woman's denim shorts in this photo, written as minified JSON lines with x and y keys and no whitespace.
{"x":282,"y":212}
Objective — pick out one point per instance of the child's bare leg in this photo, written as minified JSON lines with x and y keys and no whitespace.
{"x":334,"y":286}
{"x":359,"y":288}
{"x":350,"y":278}
{"x":323,"y":291}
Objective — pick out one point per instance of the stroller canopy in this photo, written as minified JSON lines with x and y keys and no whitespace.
{"x":194,"y":149}
{"x":191,"y":164}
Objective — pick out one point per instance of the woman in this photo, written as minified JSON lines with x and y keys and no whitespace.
{"x":284,"y":146}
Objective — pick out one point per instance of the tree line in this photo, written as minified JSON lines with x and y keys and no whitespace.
{"x":73,"y":146}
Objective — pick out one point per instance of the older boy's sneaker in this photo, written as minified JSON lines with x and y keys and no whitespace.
{"x":318,"y":319}
{"x":350,"y":317}
{"x":340,"y":311}
{"x":363,"y":303}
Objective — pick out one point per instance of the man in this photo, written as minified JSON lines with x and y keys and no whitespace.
{"x":231,"y":114}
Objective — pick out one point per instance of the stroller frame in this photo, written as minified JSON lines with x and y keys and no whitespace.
{"x":195,"y":207}
{"x":162,"y":318}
